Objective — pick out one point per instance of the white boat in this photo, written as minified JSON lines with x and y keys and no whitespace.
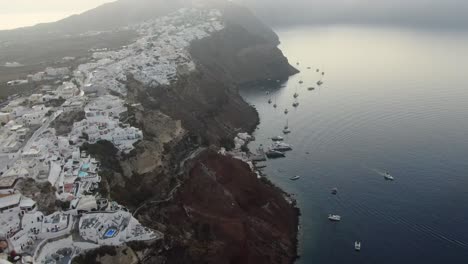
{"x":280,"y":146}
{"x":334,"y":218}
{"x":388,"y":177}
{"x":277,"y":138}
{"x":295,"y":178}
{"x":357,"y":246}
{"x":286,"y":127}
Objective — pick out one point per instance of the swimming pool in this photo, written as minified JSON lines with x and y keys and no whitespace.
{"x":110,"y":233}
{"x":82,"y":174}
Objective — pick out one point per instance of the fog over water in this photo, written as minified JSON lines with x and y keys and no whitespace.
{"x":413,"y":13}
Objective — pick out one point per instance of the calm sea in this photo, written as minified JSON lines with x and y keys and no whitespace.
{"x":393,"y":100}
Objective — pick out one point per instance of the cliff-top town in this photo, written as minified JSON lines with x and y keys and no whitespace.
{"x":33,"y":149}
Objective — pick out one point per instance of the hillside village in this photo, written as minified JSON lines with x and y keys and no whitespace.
{"x":33,"y":149}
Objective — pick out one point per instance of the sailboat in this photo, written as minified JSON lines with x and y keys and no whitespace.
{"x":286,"y":128}
{"x":295,"y":104}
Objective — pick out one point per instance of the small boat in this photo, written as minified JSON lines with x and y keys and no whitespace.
{"x":301,"y":82}
{"x":286,"y":128}
{"x":295,"y":104}
{"x":277,"y":138}
{"x":317,"y":70}
{"x":286,"y":111}
{"x":295,"y":95}
{"x":357,"y":246}
{"x":311,"y":88}
{"x":267,"y":92}
{"x":274,"y":105}
{"x":334,"y":190}
{"x":280,"y":146}
{"x":319,"y":83}
{"x":295,"y":178}
{"x":271,"y":154}
{"x":388,"y":177}
{"x":323,"y":73}
{"x":297,"y":63}
{"x":308,"y":68}
{"x":334,"y":218}
{"x":269,"y":101}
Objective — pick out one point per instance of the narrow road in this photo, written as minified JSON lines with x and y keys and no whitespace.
{"x":171,"y":193}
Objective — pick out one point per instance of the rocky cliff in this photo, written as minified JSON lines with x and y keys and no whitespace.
{"x":211,"y":208}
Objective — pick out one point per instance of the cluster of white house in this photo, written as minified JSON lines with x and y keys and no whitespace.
{"x":157,"y":57}
{"x":102,"y":122}
{"x":30,"y":148}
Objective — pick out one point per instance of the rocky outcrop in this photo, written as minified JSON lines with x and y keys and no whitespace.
{"x":224,"y":214}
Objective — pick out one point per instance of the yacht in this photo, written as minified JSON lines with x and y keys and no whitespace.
{"x":280,"y":146}
{"x":388,"y":177}
{"x":286,"y":128}
{"x":334,"y":218}
{"x":357,"y":246}
{"x":277,"y":138}
{"x":271,"y":154}
{"x":295,"y":178}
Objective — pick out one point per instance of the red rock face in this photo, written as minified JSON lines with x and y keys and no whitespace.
{"x":235,"y":217}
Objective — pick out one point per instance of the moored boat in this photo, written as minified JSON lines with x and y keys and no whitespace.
{"x":295,"y":178}
{"x":271,"y":154}
{"x":280,"y":146}
{"x":357,"y":246}
{"x":334,"y":218}
{"x":277,"y":138}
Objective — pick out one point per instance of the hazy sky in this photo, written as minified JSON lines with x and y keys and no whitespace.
{"x":429,"y":13}
{"x":20,"y":13}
